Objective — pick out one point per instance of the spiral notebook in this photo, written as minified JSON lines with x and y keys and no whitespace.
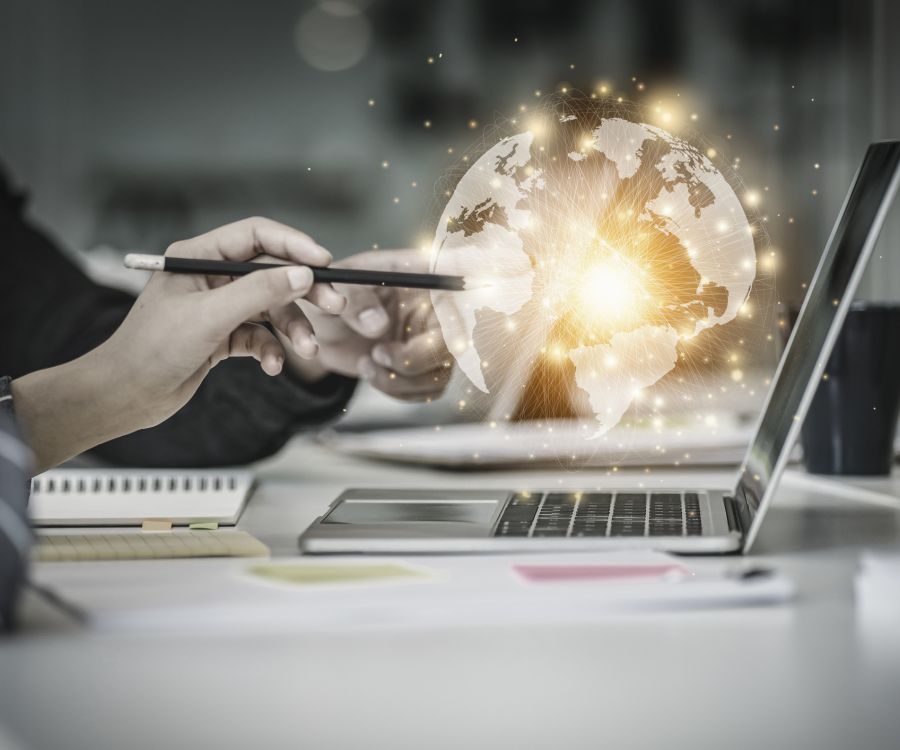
{"x":129,"y":497}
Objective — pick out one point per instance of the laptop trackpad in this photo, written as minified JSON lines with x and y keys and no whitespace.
{"x":476,"y":511}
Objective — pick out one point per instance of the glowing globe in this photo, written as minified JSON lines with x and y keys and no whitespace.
{"x":607,"y":242}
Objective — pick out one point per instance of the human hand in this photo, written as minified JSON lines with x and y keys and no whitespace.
{"x":179,"y":328}
{"x":388,"y":336}
{"x":183,"y":325}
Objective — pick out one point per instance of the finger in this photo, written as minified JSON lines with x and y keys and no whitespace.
{"x":429,"y":384}
{"x":322,"y":295}
{"x":293,"y":323}
{"x":327,"y":299}
{"x":364,"y":312}
{"x":389,"y":260}
{"x":251,"y":340}
{"x":417,"y":356}
{"x":248,"y":238}
{"x":251,"y":295}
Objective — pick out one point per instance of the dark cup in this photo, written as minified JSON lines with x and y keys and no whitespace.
{"x":852,"y":421}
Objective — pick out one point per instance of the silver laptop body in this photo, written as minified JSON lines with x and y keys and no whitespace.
{"x":685,"y":520}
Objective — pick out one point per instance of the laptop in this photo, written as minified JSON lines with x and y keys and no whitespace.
{"x":679,"y":519}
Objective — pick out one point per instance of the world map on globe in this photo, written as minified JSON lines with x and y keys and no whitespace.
{"x":607,"y":242}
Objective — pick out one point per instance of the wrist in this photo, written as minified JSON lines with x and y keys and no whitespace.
{"x":68,"y":409}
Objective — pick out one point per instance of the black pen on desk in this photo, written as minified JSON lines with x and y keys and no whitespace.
{"x":326,"y":275}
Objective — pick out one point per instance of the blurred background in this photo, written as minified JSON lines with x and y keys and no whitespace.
{"x":132,"y":124}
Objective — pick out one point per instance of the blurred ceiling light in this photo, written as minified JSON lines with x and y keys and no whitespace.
{"x":333,"y":35}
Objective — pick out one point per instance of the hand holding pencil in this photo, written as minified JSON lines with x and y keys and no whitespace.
{"x":375,"y":323}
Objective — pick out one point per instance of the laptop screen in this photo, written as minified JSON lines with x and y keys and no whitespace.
{"x":818,"y":325}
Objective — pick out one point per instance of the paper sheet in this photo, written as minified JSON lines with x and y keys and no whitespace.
{"x":312,"y":573}
{"x":463,"y":591}
{"x":543,"y":573}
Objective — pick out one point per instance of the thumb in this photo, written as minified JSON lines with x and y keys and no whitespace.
{"x":249,"y":296}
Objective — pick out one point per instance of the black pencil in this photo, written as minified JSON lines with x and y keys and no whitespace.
{"x":321,"y":274}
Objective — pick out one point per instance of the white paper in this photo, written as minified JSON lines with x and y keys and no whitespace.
{"x":459,"y":591}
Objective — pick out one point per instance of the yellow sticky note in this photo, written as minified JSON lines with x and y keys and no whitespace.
{"x":204,"y":526}
{"x":312,"y":574}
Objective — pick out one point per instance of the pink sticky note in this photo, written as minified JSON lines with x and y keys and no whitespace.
{"x":564,"y":573}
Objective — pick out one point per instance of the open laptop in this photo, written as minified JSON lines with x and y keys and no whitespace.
{"x":680,"y":519}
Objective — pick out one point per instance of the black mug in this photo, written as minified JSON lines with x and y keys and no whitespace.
{"x":852,"y":421}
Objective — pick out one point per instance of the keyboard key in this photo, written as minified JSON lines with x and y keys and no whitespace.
{"x":596,"y":506}
{"x":666,"y":528}
{"x":626,"y":528}
{"x":519,"y":513}
{"x":693,"y":524}
{"x":562,"y":497}
{"x":594,"y":520}
{"x":665,"y":505}
{"x":560,"y":531}
{"x":589,"y":529}
{"x":553,"y":519}
{"x":591,"y":499}
{"x":561,"y":503}
{"x":515,"y":528}
{"x":562,"y":526}
{"x":630,"y":505}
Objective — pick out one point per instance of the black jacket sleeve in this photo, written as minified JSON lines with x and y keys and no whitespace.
{"x":52,"y":313}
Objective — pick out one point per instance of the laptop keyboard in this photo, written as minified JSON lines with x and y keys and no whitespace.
{"x":587,"y":514}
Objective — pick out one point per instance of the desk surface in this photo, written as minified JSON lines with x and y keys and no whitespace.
{"x":808,"y":674}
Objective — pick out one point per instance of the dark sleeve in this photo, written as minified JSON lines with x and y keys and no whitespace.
{"x":53,"y":313}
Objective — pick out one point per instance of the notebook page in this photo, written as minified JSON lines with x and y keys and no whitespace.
{"x":104,"y":497}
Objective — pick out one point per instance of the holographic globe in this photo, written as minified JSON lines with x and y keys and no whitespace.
{"x":608,"y":242}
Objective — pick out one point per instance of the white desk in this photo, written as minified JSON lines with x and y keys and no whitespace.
{"x":803,"y":675}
